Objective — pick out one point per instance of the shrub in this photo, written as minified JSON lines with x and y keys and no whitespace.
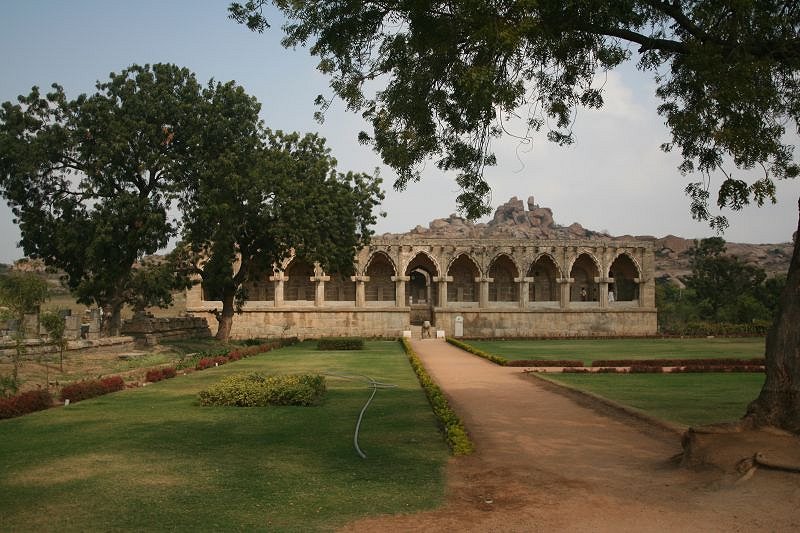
{"x":454,"y":432}
{"x":24,"y":403}
{"x":678,"y":362}
{"x":542,"y":362}
{"x":574,"y":370}
{"x":257,"y":390}
{"x":83,"y":390}
{"x":153,"y":375}
{"x":341,"y":343}
{"x":644,"y":369}
{"x":502,"y":361}
{"x":169,"y":372}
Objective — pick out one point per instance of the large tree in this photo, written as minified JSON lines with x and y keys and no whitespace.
{"x":91,"y":179}
{"x":264,"y":195}
{"x":452,"y":72}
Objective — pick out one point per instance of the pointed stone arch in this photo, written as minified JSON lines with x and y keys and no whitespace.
{"x":463,"y":269}
{"x":380,"y":269}
{"x":421,"y":271}
{"x":259,"y":287}
{"x":624,"y":273}
{"x":503,"y":270}
{"x":585,"y":271}
{"x":298,"y":286}
{"x":545,"y":273}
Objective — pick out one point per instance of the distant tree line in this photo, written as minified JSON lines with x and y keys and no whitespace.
{"x":722,"y":295}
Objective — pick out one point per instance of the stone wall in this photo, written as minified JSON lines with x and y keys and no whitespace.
{"x":153,"y":329}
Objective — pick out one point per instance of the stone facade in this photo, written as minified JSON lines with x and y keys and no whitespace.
{"x":475,"y":287}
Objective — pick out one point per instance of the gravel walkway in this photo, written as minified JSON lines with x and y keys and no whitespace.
{"x":543,"y":462}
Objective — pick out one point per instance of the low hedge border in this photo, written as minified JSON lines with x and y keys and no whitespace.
{"x":24,"y":403}
{"x":157,"y":374}
{"x":340,"y":343}
{"x":454,"y":432}
{"x":496,"y":359}
{"x":680,"y":362}
{"x":502,"y":361}
{"x":83,"y":390}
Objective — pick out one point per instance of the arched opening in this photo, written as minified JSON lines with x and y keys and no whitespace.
{"x":259,"y":288}
{"x":584,"y":271}
{"x":503,"y":288}
{"x":623,"y":288}
{"x":544,"y":287}
{"x":299,"y":286}
{"x":340,"y":289}
{"x":463,"y":288}
{"x":419,"y":288}
{"x":380,"y":287}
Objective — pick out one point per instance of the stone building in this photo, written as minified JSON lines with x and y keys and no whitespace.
{"x":487,"y":286}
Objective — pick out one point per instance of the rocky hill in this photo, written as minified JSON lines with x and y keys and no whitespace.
{"x":512,"y":220}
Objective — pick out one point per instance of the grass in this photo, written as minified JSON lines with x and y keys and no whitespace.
{"x":686,"y":399}
{"x":594,"y":349}
{"x":152,"y":458}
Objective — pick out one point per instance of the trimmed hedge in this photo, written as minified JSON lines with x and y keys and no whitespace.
{"x":220,"y":356}
{"x":718,"y":368}
{"x":543,"y":362}
{"x":679,"y":362}
{"x":257,"y":390}
{"x":502,"y":361}
{"x":83,"y":390}
{"x":454,"y":432}
{"x":24,"y":403}
{"x":340,"y":343}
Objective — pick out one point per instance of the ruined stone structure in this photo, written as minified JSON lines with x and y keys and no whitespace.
{"x":471,"y":287}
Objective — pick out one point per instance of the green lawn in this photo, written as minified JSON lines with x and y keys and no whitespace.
{"x":594,"y":349}
{"x":687,"y":399}
{"x":153,"y":459}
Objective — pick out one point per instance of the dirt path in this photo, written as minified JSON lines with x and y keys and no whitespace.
{"x":545,"y":463}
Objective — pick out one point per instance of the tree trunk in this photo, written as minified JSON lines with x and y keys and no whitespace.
{"x":778,"y":404}
{"x":225,"y":317}
{"x":112,"y":319}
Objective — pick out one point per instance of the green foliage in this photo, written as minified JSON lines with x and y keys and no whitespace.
{"x":453,"y":72}
{"x":54,"y":323}
{"x":341,"y":343}
{"x":265,"y":195}
{"x":258,"y":390}
{"x":454,"y":431}
{"x":723,"y":295}
{"x":20,"y":293}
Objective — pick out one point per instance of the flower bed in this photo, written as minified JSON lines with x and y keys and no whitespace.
{"x":679,"y":362}
{"x":83,"y":390}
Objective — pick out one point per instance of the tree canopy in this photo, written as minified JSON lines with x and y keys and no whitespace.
{"x":456,"y":72}
{"x":91,"y":180}
{"x":442,"y":79}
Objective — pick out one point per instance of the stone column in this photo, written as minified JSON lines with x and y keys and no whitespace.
{"x":484,"y":294}
{"x":565,"y":283}
{"x":361,"y":296}
{"x":524,"y":297}
{"x":278,"y":279}
{"x":640,"y":282}
{"x":442,"y":287}
{"x":400,"y":290}
{"x":603,"y":296}
{"x":319,"y":293}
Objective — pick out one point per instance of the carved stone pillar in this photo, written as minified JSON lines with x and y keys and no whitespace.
{"x":484,"y":291}
{"x":565,"y":284}
{"x":278,"y":279}
{"x":319,"y":293}
{"x":361,"y":297}
{"x":524,"y":296}
{"x":639,"y":285}
{"x":442,"y":287}
{"x":400,"y":290}
{"x":603,"y":296}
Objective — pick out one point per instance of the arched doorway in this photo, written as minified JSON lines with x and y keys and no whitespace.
{"x":584,"y":271}
{"x":463,"y":288}
{"x":420,"y":289}
{"x":503,"y":288}
{"x":544,"y":287}
{"x":380,"y":287}
{"x":623,"y":272}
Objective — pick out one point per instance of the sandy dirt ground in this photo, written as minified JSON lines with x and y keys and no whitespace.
{"x":543,"y":462}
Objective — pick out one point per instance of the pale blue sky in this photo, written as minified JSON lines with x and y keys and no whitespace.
{"x":614,"y":178}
